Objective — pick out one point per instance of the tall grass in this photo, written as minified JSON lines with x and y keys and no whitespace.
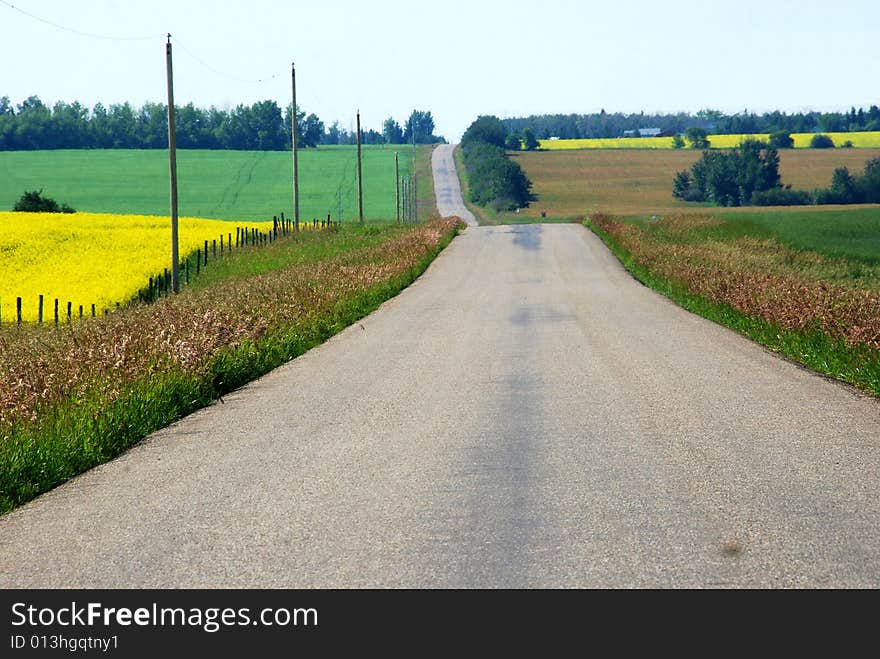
{"x":74,"y":397}
{"x":758,"y":289}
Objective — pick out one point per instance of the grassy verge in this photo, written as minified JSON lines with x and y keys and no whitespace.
{"x":74,"y":397}
{"x":481,"y":214}
{"x":829,"y":328}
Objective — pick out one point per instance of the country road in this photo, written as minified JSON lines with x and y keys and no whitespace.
{"x":446,"y":186}
{"x":524,"y":415}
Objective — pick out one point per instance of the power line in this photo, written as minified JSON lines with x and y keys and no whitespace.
{"x":215,"y":71}
{"x":81,"y":33}
{"x":107,"y":37}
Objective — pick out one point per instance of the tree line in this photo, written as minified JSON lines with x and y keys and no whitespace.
{"x":262,"y":126}
{"x":494,"y":180}
{"x":611,"y":125}
{"x":749,"y":175}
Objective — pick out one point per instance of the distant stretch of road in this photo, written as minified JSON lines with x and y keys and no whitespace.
{"x":524,"y":415}
{"x":446,"y":186}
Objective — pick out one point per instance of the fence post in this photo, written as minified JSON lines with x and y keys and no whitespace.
{"x":69,"y":312}
{"x":40,"y":311}
{"x":56,"y":311}
{"x":93,"y":310}
{"x":206,"y":253}
{"x":18,"y":310}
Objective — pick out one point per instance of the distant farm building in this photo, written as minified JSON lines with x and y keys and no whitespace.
{"x":647,"y":132}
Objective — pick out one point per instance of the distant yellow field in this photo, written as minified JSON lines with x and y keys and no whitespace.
{"x":863,"y":140}
{"x":90,"y":258}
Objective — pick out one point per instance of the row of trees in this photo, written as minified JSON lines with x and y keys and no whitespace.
{"x":494,"y":180}
{"x":698,"y":138}
{"x":730,"y":178}
{"x":603,"y":124}
{"x":261,"y":126}
{"x":749,"y":175}
{"x":847,"y":188}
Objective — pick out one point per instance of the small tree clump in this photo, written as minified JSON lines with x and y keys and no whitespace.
{"x":782,"y":140}
{"x":513,"y":143}
{"x":697,"y":137}
{"x":821,"y":141}
{"x":33,"y":201}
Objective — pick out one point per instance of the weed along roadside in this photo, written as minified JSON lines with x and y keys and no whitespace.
{"x":816,"y":310}
{"x":76,"y":396}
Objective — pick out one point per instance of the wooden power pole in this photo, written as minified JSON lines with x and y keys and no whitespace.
{"x":360,"y":172}
{"x":415,"y":185}
{"x":397,"y":182}
{"x":172,"y":159}
{"x":294,"y":145}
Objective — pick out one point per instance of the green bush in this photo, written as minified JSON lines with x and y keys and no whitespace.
{"x":782,"y":139}
{"x":782,"y":197}
{"x":821,"y":141}
{"x":34,"y":202}
{"x":848,"y":189}
{"x":697,"y":137}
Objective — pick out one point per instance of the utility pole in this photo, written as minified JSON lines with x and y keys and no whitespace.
{"x":397,"y":181}
{"x":360,"y":172}
{"x":403,"y":198}
{"x":172,"y":160}
{"x":415,"y":185}
{"x":294,"y":146}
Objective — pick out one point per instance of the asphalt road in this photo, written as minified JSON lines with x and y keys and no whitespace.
{"x":524,"y":415}
{"x":446,"y":187}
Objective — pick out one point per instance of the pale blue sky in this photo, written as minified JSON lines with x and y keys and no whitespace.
{"x":455,"y":58}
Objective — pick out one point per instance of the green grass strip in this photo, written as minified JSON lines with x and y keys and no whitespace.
{"x":82,"y":434}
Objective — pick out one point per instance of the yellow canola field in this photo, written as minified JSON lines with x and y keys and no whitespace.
{"x":862,"y":140}
{"x":90,"y":258}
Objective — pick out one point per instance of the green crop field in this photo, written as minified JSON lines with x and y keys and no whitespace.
{"x":849,"y":233}
{"x":233,"y":185}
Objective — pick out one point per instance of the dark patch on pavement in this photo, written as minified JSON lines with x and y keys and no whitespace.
{"x":530,"y":315}
{"x":527,"y":237}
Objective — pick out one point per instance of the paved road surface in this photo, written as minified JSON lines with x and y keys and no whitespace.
{"x":523,"y":415}
{"x":446,"y":186}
